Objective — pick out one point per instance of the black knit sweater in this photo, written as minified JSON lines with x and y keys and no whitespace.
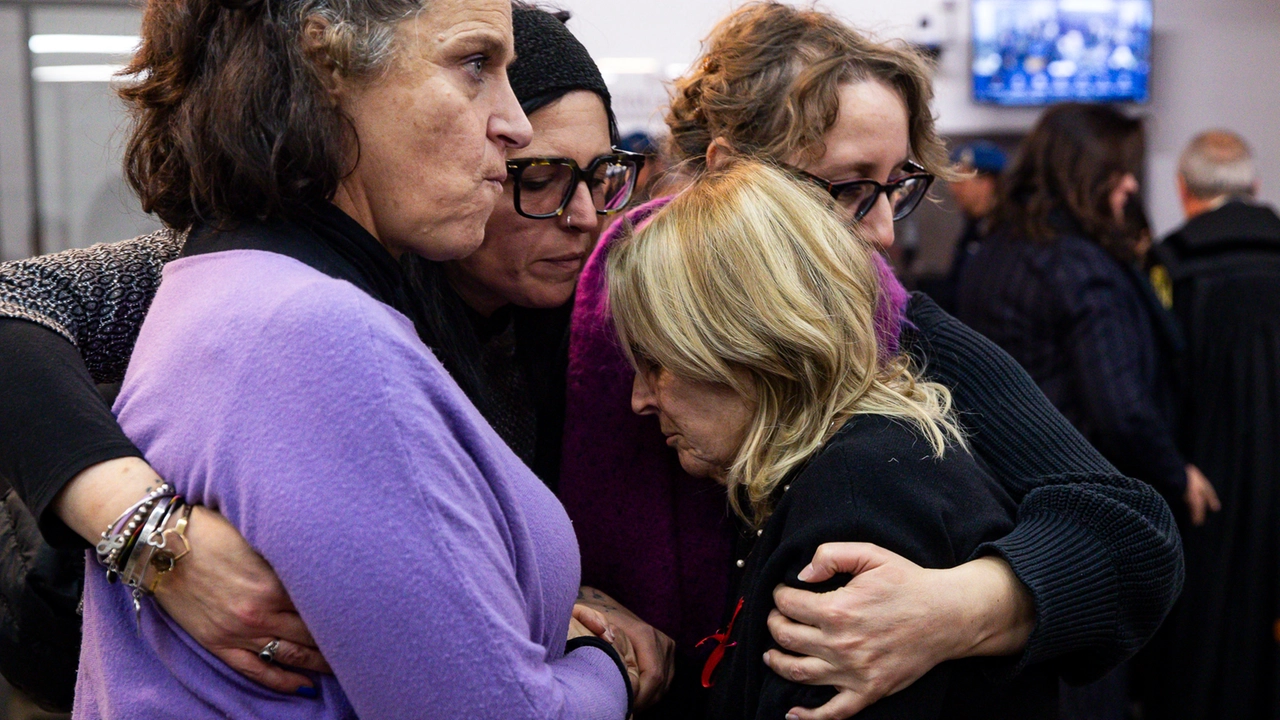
{"x":1098,"y":551}
{"x":876,"y":481}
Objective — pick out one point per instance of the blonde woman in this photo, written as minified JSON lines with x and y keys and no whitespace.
{"x":1094,"y":561}
{"x":748,"y":309}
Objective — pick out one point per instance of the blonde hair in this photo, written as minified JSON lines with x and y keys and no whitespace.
{"x":751,"y":280}
{"x":768,"y":82}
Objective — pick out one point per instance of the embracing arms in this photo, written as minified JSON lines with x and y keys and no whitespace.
{"x":876,"y":488}
{"x":1099,"y":552}
{"x":1090,"y":570}
{"x":69,"y":320}
{"x":431,"y":566}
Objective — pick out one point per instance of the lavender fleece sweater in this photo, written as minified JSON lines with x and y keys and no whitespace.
{"x":435,"y":571}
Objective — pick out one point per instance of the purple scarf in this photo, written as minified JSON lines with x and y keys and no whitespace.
{"x":652,"y":536}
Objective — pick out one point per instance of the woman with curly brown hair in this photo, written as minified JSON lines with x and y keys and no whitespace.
{"x":1081,"y":581}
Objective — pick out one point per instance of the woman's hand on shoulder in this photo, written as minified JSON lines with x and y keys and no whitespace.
{"x":222,"y":593}
{"x":891,"y":624}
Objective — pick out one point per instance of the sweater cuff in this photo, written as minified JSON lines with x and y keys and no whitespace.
{"x":1073,"y":584}
{"x":612,"y":652}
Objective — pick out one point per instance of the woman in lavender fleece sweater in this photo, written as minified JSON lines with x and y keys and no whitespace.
{"x":280,"y":379}
{"x":436,"y":571}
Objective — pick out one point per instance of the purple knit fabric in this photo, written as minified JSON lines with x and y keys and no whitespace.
{"x":654,"y":537}
{"x":435,"y":571}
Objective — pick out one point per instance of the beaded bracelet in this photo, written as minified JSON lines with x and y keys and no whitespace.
{"x":159,"y":511}
{"x":119,"y":538}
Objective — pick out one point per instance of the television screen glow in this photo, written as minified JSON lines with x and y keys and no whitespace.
{"x":1035,"y":52}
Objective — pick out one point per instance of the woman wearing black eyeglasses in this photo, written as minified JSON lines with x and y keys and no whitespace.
{"x":502,"y":312}
{"x":860,"y":196}
{"x":498,"y":320}
{"x":1094,"y":562}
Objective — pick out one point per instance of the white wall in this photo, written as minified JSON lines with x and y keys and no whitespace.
{"x":15,"y":232}
{"x":1216,"y":63}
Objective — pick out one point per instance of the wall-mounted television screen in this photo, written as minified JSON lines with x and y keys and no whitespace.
{"x":1035,"y":52}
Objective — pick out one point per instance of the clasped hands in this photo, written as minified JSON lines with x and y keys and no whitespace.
{"x":893,"y":622}
{"x":646,"y":651}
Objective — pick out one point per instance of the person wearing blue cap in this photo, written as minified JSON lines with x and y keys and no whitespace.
{"x":981,"y":163}
{"x":654,"y":168}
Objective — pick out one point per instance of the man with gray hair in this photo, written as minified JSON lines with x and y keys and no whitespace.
{"x":1221,"y":275}
{"x":1215,"y":168}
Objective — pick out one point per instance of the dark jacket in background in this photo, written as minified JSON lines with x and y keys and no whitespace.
{"x":1222,"y":658}
{"x":39,"y":594}
{"x":943,"y":289}
{"x":1092,"y":334}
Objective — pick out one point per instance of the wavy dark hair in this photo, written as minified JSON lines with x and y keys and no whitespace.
{"x":1063,"y":175}
{"x":231,"y":120}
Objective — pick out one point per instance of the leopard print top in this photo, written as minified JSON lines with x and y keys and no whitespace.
{"x":94,"y":297}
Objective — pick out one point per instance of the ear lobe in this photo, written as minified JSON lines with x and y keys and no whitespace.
{"x":718,"y":152}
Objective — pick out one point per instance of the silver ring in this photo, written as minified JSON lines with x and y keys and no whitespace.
{"x":268,"y":653}
{"x":569,"y":221}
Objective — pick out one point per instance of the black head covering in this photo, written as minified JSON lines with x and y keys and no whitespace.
{"x":551,"y":63}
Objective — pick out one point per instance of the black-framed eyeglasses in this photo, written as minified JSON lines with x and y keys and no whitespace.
{"x":543,"y":187}
{"x":860,"y":196}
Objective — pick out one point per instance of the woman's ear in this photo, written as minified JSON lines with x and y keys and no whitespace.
{"x":318,"y":49}
{"x":718,"y":151}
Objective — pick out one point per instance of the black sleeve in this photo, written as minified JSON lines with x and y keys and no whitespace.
{"x":1098,"y":551}
{"x":1107,"y":366}
{"x":53,"y":422}
{"x":68,"y":320}
{"x":879,"y":483}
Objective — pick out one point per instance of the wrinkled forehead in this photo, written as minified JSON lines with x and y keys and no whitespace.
{"x":485,"y":22}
